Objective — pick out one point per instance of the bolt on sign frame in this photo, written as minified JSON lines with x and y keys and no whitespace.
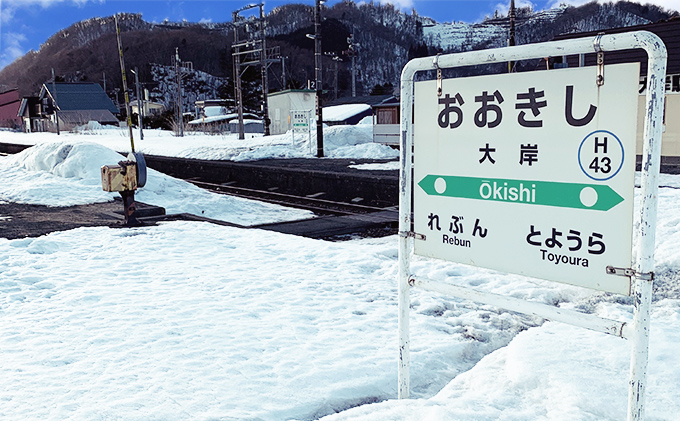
{"x":640,"y":276}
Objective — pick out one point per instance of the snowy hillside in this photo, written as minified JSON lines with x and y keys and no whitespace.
{"x":530,"y":27}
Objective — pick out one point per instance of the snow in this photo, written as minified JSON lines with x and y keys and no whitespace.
{"x":343,"y":112}
{"x":66,"y":174}
{"x":352,"y":141}
{"x":194,"y":321}
{"x":212,"y":119}
{"x":392,"y":165}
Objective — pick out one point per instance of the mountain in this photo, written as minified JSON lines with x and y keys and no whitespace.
{"x":387,"y":38}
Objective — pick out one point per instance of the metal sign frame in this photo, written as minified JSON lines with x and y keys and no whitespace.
{"x":641,"y":274}
{"x":305,"y":127}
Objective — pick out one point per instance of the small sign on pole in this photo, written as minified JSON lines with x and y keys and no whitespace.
{"x":301,"y":124}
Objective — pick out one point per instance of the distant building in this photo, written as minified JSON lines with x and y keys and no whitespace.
{"x":335,"y":112}
{"x":371,"y":100}
{"x":213,"y":121}
{"x":249,"y":126}
{"x":207,"y":107}
{"x":9,"y":109}
{"x":346,"y":114}
{"x":149,"y":108}
{"x":30,"y":113}
{"x":386,"y":123}
{"x":76,"y":104}
{"x":283,"y":104}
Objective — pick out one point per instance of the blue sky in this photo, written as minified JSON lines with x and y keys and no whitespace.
{"x":25,"y":24}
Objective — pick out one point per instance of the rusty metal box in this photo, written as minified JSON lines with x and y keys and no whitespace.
{"x":119,"y":177}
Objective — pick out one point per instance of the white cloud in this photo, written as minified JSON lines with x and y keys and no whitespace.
{"x":205,"y":20}
{"x":11,"y":47}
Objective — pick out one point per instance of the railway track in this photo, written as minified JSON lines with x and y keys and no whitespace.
{"x":311,"y":203}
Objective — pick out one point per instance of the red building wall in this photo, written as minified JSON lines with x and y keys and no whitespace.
{"x":9,"y":107}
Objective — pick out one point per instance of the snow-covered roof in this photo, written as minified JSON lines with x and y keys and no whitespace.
{"x":213,"y":110}
{"x":343,"y":112}
{"x":221,"y":117}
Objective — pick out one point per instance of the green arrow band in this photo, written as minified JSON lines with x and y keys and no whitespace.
{"x":547,"y":193}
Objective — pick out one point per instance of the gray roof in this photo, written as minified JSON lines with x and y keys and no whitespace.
{"x":371,"y":100}
{"x":79,"y":96}
{"x":84,"y":116}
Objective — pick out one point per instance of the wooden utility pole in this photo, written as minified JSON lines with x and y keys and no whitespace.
{"x":125,"y":87}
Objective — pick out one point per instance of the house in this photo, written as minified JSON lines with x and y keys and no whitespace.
{"x":9,"y":109}
{"x":283,"y":105}
{"x":207,"y":107}
{"x":76,"y":104}
{"x":669,"y":32}
{"x":149,"y":108}
{"x":346,"y":114}
{"x":351,"y":110}
{"x":249,"y":126}
{"x":30,"y":113}
{"x":386,"y":122}
{"x":214,"y":121}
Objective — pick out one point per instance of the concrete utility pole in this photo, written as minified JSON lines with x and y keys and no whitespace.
{"x":238,"y":93}
{"x":511,"y":38}
{"x":352,"y":52}
{"x":54,"y":100}
{"x":180,"y":110}
{"x":283,"y":73}
{"x":317,"y":76}
{"x":334,"y":69}
{"x":263,"y":71}
{"x":140,"y":105}
{"x":336,"y":59}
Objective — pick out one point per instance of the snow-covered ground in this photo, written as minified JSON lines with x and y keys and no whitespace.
{"x":193,"y":321}
{"x":339,"y":142}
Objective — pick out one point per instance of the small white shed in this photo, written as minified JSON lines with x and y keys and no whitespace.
{"x":282,"y":104}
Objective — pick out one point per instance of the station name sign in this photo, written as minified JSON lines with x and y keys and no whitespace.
{"x":529,"y":173}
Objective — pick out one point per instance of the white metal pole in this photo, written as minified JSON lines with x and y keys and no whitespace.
{"x":643,"y":279}
{"x":575,"y":318}
{"x":405,"y":212}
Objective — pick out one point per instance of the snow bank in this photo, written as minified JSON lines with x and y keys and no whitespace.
{"x":339,"y":142}
{"x":212,"y":322}
{"x":65,"y":174}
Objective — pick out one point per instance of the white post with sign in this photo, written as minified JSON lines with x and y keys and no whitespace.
{"x":301,"y":124}
{"x":533,"y":173}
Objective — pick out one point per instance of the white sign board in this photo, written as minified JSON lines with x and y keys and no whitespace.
{"x":529,"y":173}
{"x":301,"y":120}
